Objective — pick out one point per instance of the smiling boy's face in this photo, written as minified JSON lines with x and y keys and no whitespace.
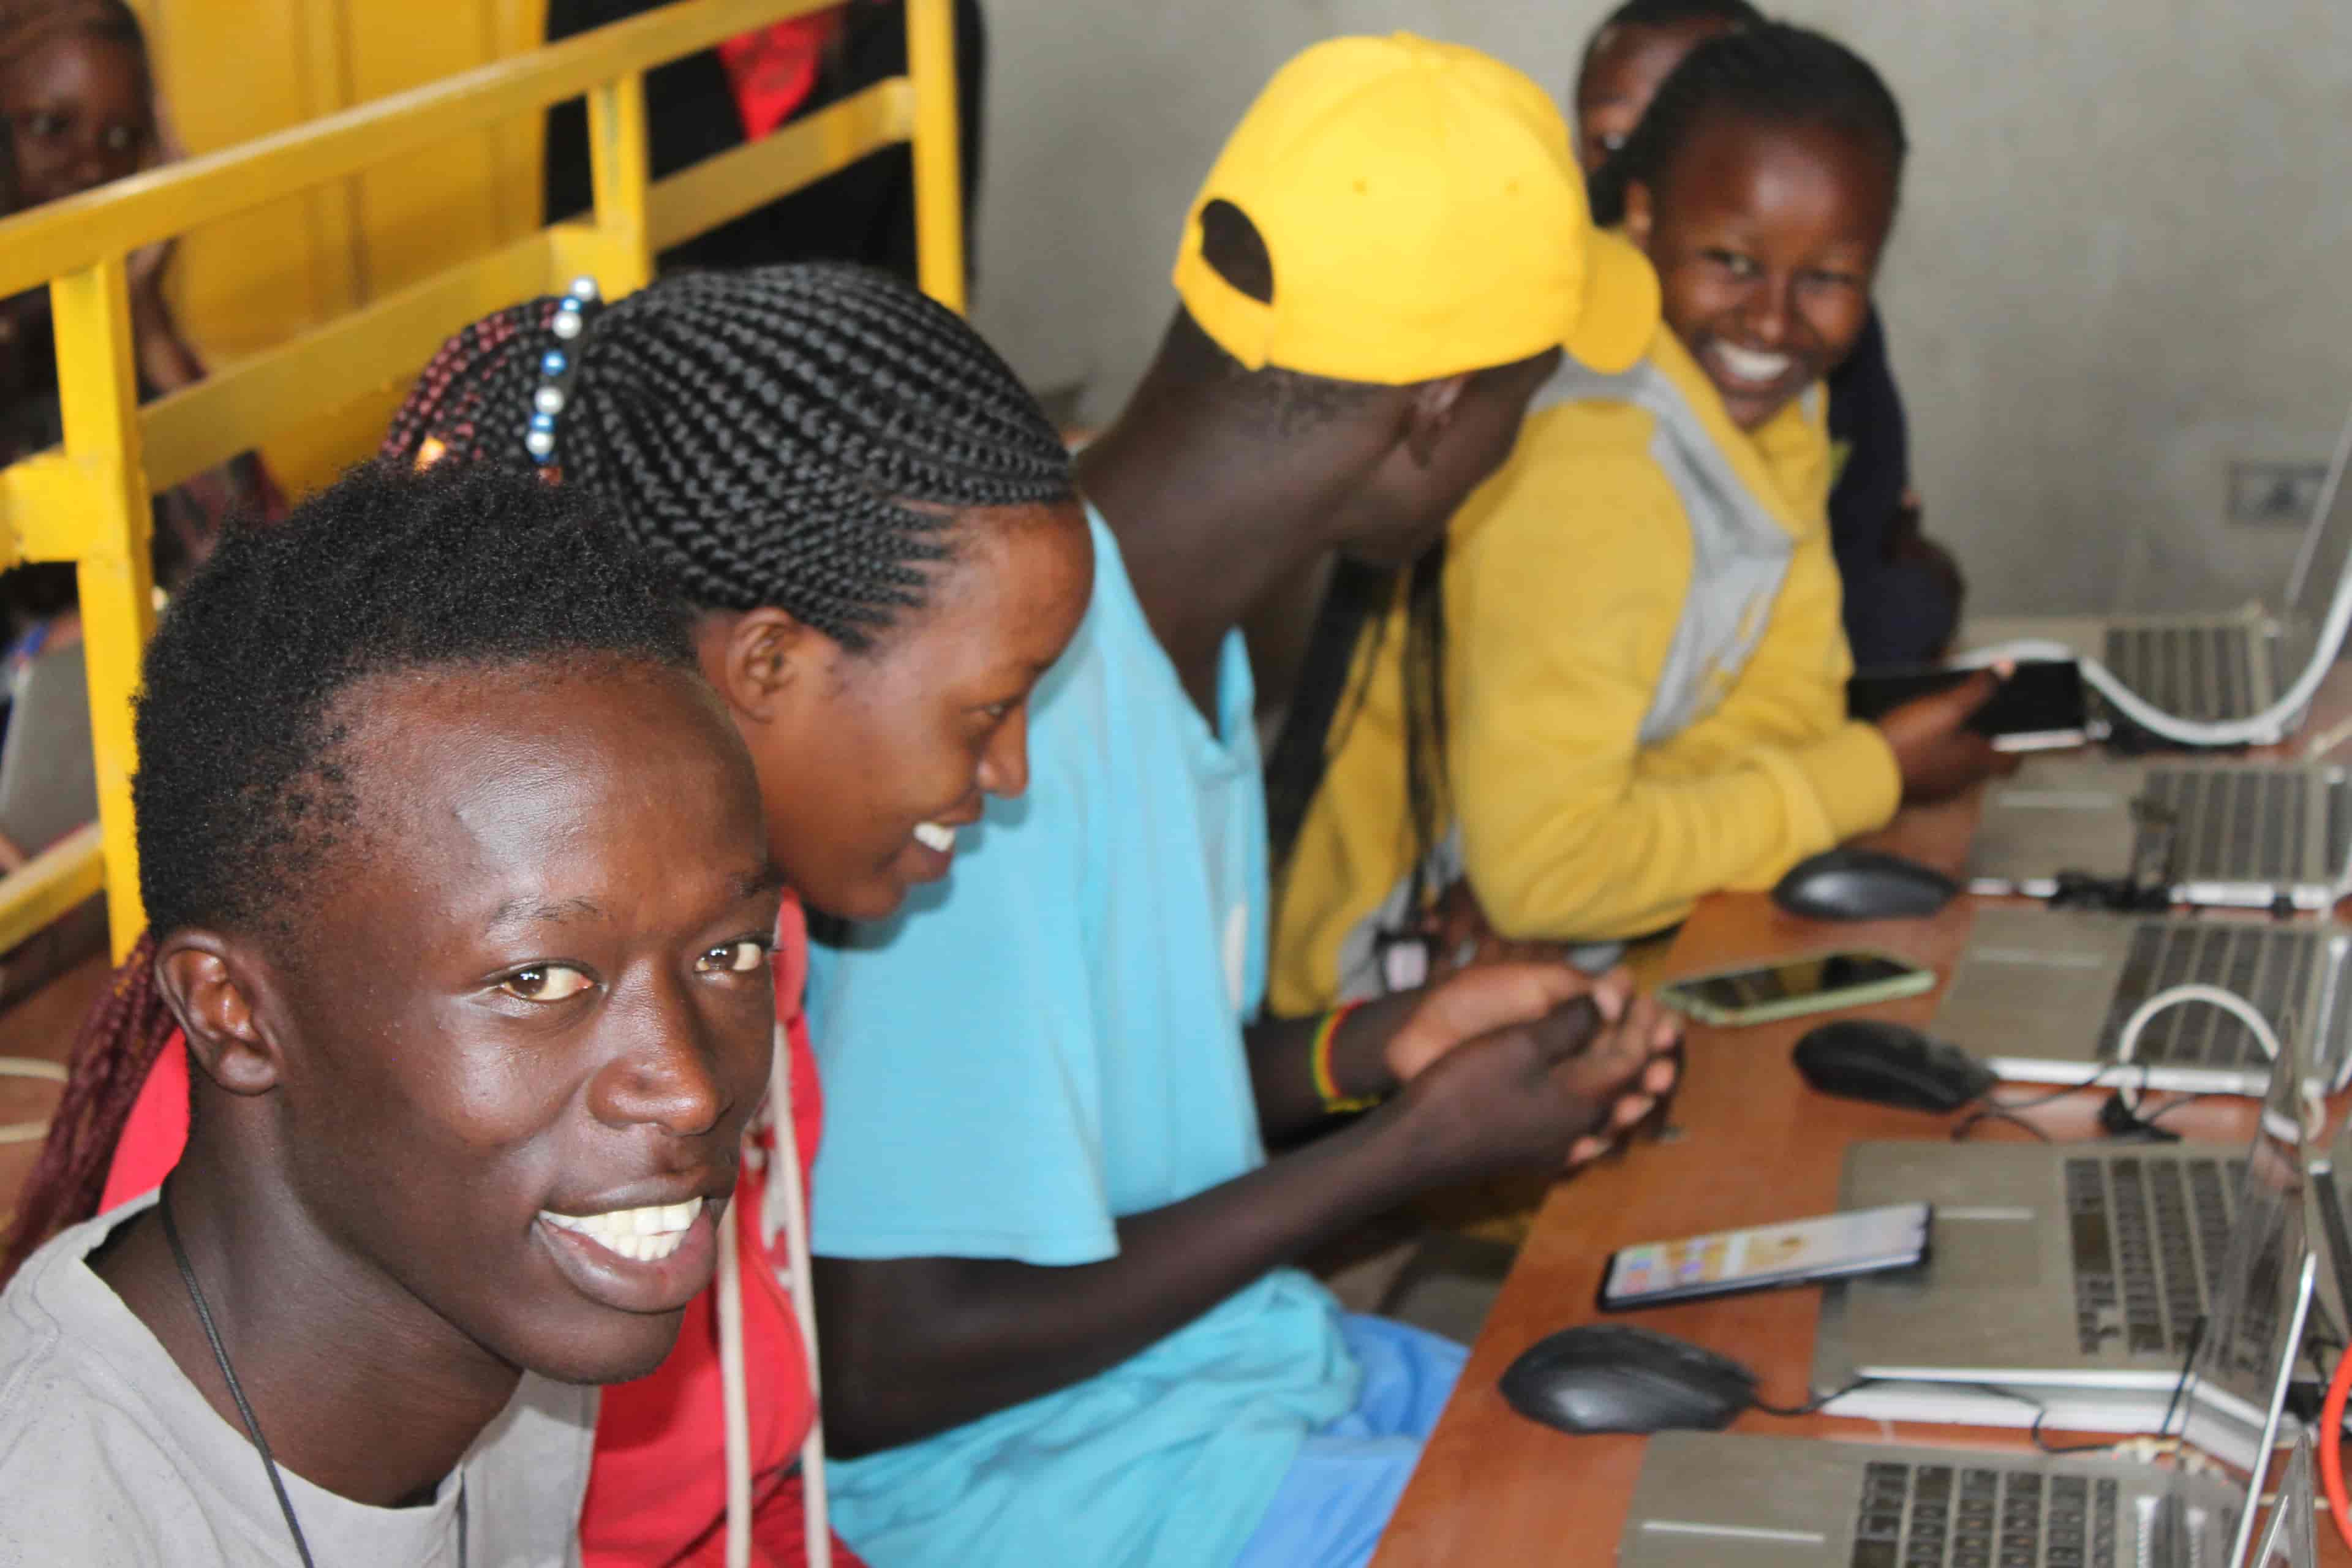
{"x":529,"y":1013}
{"x":1766,"y":240}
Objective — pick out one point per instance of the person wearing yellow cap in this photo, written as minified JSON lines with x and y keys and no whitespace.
{"x":1639,"y":691}
{"x":1055,"y":1261}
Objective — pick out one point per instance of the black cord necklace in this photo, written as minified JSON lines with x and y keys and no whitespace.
{"x":244,"y":1410}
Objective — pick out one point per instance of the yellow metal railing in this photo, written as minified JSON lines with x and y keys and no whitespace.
{"x":87,"y":502}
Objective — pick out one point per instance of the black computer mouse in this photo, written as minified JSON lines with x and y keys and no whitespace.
{"x":1862,"y":885}
{"x":1890,"y":1064}
{"x":1609,"y":1378}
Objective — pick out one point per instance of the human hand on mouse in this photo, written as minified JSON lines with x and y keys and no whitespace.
{"x":1558,"y":1090}
{"x":1936,"y":752}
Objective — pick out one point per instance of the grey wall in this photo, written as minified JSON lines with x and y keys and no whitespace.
{"x":2122,"y":260}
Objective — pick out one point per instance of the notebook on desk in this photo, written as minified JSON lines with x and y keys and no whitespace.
{"x":2044,"y":994}
{"x":2213,"y":665}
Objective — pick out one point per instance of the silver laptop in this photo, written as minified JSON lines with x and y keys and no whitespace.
{"x":48,"y":781}
{"x":2234,"y":836}
{"x":2042,"y":994}
{"x":2080,"y":1265}
{"x":2291,"y":1540}
{"x":2213,"y":665}
{"x":1715,"y":1500}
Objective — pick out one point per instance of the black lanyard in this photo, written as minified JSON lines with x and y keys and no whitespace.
{"x":253,"y":1427}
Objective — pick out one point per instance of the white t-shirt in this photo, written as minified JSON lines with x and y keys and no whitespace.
{"x":108,"y":1455}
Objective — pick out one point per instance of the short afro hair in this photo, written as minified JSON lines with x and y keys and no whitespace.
{"x":240,"y":787}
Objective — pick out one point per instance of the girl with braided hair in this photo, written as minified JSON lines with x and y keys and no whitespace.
{"x":1685,"y":730}
{"x":874,"y":527}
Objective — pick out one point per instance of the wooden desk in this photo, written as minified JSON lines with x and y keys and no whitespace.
{"x":1755,"y":1145}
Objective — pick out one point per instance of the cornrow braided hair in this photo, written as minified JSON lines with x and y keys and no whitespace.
{"x":797,"y":436}
{"x":764,"y":435}
{"x":1773,"y":74}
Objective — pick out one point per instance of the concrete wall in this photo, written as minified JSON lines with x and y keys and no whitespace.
{"x":2124,"y":257}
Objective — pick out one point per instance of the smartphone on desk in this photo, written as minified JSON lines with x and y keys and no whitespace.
{"x":2040,"y":706}
{"x":1797,"y":1252}
{"x":1789,"y":987}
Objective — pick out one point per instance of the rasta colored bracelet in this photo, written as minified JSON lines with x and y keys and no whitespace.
{"x":1319,"y":1059}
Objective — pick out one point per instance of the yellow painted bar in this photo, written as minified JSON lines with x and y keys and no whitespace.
{"x":50,"y":884}
{"x":315,"y":373}
{"x":617,"y":174}
{"x":37,"y":497}
{"x":730,"y":183}
{"x":119,"y":218}
{"x":98,"y":395}
{"x":939,"y":177}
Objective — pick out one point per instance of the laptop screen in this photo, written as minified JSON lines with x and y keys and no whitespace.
{"x":2292,"y":1540}
{"x":2327,"y":545}
{"x":2238,"y":1374}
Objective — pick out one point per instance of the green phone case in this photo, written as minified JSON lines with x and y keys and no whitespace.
{"x":1916,"y":979}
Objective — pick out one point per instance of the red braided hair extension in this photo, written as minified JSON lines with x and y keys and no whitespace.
{"x":117,"y":1045}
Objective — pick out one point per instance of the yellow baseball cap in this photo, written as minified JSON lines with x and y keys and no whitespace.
{"x":1425,"y":217}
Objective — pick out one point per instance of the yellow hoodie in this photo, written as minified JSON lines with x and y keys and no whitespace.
{"x":1625,"y":734}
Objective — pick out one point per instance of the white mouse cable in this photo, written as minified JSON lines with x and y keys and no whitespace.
{"x":2263,"y":729}
{"x":2315,"y":1109}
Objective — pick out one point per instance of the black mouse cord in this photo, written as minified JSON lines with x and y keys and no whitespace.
{"x":2116,"y":1119}
{"x":1815,"y":1403}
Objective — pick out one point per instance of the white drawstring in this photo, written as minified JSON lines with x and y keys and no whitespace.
{"x":735,"y":1405}
{"x":794,"y":1225}
{"x":786,"y":1206}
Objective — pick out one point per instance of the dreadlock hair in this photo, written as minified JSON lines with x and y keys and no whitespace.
{"x":796,"y":436}
{"x":244,"y":790}
{"x":1770,"y":74}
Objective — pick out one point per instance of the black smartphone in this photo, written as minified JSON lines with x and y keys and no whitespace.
{"x":1797,"y":1252}
{"x":2040,"y":706}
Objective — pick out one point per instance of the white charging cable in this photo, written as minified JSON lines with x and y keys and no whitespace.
{"x":2314,"y":1108}
{"x":2263,"y":729}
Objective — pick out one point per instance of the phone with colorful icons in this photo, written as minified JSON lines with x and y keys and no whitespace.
{"x":1797,"y":1252}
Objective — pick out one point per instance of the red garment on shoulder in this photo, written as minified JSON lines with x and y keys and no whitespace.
{"x":772,"y":69}
{"x":657,"y":1491}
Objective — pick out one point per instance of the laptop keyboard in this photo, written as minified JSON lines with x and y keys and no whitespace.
{"x":2148,"y":1235}
{"x":2236,"y":825}
{"x":2268,"y":966}
{"x":2197,"y":672}
{"x":1955,"y":1516}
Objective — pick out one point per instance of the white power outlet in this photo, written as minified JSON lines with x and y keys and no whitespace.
{"x":2274,"y":494}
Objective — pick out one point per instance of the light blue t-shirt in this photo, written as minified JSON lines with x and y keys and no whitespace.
{"x":1048,"y":1040}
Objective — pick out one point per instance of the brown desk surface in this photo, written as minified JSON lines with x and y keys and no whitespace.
{"x":1755,"y":1145}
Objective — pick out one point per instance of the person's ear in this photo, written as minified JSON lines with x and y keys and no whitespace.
{"x":214,"y":990}
{"x":759,"y":659}
{"x":1429,"y":414}
{"x":1638,"y":214}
